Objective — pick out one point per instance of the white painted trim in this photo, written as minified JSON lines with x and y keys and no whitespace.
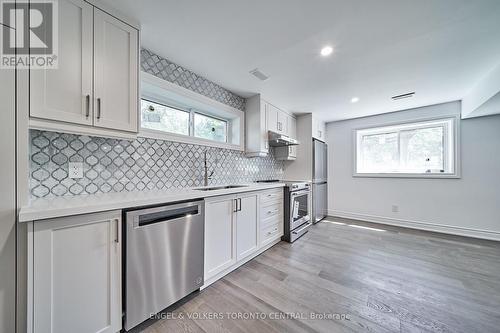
{"x":419,"y":225}
{"x":228,"y":270}
{"x":22,"y":137}
{"x":54,"y":126}
{"x":115,"y":13}
{"x":29,"y":279}
{"x":456,"y":144}
{"x":152,"y":134}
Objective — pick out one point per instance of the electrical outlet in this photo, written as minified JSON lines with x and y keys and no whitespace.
{"x":75,"y":170}
{"x":395,"y":208}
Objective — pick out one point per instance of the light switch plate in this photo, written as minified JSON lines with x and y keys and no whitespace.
{"x":75,"y":170}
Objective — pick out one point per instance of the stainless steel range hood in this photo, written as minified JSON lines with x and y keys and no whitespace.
{"x":281,"y":140}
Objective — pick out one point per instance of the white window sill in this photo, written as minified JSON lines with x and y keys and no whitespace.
{"x":153,"y":134}
{"x":408,"y":175}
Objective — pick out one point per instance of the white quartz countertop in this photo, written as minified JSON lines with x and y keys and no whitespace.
{"x":40,"y":209}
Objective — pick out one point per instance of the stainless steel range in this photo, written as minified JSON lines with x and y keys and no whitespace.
{"x":297,"y":208}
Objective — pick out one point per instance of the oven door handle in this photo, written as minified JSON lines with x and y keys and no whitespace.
{"x":307,"y":225}
{"x":303,"y":192}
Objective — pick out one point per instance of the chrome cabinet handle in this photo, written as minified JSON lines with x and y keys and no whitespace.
{"x":235,"y":205}
{"x":98,"y":108}
{"x":87,"y":106}
{"x":239,"y":210}
{"x":272,"y":232}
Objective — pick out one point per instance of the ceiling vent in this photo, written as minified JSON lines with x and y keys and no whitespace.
{"x":258,"y":74}
{"x":407,"y":95}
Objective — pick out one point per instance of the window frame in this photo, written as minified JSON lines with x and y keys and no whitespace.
{"x":177,"y":137}
{"x":150,"y":100}
{"x":164,"y":92}
{"x":419,"y":123}
{"x":226,"y":124}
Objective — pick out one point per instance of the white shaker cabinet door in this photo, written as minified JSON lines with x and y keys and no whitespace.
{"x":65,"y":93}
{"x":283,"y":122}
{"x":77,"y":274}
{"x":220,"y":246}
{"x":246,"y":226}
{"x":115,"y":73}
{"x":271,"y":118}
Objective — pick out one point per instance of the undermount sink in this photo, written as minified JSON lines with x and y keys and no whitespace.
{"x":219,"y":187}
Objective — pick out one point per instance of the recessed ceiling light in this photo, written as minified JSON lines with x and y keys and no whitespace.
{"x":354,"y":99}
{"x":326,"y":51}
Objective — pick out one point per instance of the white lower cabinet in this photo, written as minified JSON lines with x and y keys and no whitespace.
{"x":234,"y":230}
{"x":247,"y":239}
{"x":76,"y":275}
{"x":220,"y":247}
{"x":231,"y":231}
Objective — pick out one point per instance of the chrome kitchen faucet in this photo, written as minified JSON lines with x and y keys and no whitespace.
{"x":207,"y":176}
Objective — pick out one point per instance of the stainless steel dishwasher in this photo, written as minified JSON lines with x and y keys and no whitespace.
{"x":164,"y":249}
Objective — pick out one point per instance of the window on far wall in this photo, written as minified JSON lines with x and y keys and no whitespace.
{"x":167,"y":119}
{"x":424,"y":148}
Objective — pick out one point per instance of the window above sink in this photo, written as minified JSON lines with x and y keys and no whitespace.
{"x":171,"y":120}
{"x":174,"y":113}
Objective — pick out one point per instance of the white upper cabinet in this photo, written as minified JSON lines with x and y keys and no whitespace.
{"x":271,"y":118}
{"x":115,"y":73}
{"x":292,"y":132}
{"x":64,"y":94}
{"x":292,"y":127}
{"x":288,"y":153}
{"x":256,"y":132}
{"x":318,"y":129}
{"x":94,"y":90}
{"x":282,"y":122}
{"x":260,"y":118}
{"x":276,"y":119}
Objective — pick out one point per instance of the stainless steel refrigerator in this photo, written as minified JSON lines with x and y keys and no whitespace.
{"x":319,"y":180}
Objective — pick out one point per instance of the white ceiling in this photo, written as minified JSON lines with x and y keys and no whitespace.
{"x":438,"y":48}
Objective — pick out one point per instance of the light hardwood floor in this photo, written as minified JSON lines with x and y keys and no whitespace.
{"x":392,"y":280}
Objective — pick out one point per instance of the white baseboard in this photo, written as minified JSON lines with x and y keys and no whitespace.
{"x":446,"y":229}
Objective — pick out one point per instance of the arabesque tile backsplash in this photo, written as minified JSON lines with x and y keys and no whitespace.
{"x":112,"y":165}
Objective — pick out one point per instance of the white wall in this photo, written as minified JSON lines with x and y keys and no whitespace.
{"x":468,"y":206}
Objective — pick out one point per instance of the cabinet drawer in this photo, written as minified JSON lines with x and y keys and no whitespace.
{"x":271,"y":196}
{"x":271,"y":210}
{"x":272,"y":202}
{"x":275,"y":219}
{"x":270,"y":233}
